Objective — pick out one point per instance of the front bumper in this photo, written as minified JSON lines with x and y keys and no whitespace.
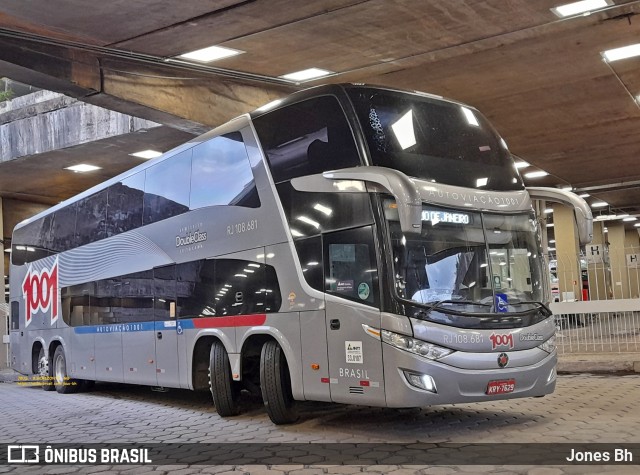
{"x":460,"y":385}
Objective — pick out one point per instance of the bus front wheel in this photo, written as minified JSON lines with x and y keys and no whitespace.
{"x":61,"y":380}
{"x":224,"y":390}
{"x":275,"y":382}
{"x":44,"y":371}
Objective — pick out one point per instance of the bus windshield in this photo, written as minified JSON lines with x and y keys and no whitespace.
{"x":468,"y":261}
{"x":435,"y":140}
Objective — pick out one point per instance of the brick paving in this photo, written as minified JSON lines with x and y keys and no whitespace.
{"x":584,"y":409}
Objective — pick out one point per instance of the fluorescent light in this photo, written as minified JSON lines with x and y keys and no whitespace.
{"x":296,"y":233}
{"x":403,"y":129}
{"x":537,"y":174}
{"x":313,"y":223}
{"x":306,"y":74}
{"x":551,"y":249}
{"x":550,"y":225}
{"x":567,"y":188}
{"x":481,"y":182}
{"x":269,"y":105}
{"x":548,"y":210}
{"x":622,"y":53}
{"x":584,"y":195}
{"x":551,"y":241}
{"x":637,"y":225}
{"x":323,"y":209}
{"x":83,"y":167}
{"x":470,"y":116}
{"x":146,"y":154}
{"x":599,"y":204}
{"x":522,"y":164}
{"x":212,"y":53}
{"x":630,"y":218}
{"x":576,"y":8}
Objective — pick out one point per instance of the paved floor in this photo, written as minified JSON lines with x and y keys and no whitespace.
{"x":584,"y":409}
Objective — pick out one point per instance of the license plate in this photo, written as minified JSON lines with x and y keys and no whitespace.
{"x":501,"y":387}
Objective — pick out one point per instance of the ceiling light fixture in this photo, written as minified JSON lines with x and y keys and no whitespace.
{"x":583,"y":7}
{"x":212,"y":53}
{"x":599,"y":204}
{"x":522,"y":164}
{"x":306,"y":74}
{"x":584,"y":195}
{"x":82,"y":168}
{"x":625,"y":52}
{"x":630,"y":218}
{"x":146,"y":154}
{"x":537,"y":174}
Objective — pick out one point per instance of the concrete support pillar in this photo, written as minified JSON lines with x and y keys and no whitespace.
{"x":567,"y":253}
{"x":598,"y":270}
{"x":618,"y":259}
{"x":632,"y":250}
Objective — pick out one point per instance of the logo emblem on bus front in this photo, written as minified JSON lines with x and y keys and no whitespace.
{"x":503,"y":360}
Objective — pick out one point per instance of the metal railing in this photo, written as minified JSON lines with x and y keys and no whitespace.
{"x":598,"y":301}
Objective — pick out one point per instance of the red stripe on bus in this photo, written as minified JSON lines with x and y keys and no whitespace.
{"x":236,"y":321}
{"x":364,"y":383}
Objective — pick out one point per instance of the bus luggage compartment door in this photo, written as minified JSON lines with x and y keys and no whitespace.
{"x":355,"y":357}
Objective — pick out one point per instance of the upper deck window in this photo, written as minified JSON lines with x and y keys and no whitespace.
{"x":434,"y":140}
{"x":307,"y":138}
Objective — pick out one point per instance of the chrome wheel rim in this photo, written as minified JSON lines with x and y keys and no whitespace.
{"x":59,"y":370}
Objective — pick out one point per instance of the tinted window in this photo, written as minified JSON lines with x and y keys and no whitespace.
{"x":31,"y":242}
{"x":166,"y":188}
{"x":351,"y":270}
{"x":125,"y":202}
{"x":307,"y":138}
{"x":196,"y":289}
{"x":434,"y":140}
{"x":15,"y":315}
{"x":164,"y":291}
{"x":91,"y":218}
{"x":314,"y":213}
{"x":310,"y":255}
{"x":64,"y":228}
{"x":135,"y":293}
{"x":221,"y":174}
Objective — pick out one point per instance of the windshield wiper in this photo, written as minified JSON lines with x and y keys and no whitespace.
{"x":439,"y":304}
{"x":540,"y":305}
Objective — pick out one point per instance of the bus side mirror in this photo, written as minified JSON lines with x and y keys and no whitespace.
{"x":390,"y":181}
{"x":581,"y":211}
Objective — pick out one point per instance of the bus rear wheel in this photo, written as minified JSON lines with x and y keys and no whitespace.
{"x":224,"y":390}
{"x":44,"y":371}
{"x":275,"y":382}
{"x":61,"y":380}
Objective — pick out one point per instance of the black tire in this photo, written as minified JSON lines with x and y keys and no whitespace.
{"x":224,"y":390}
{"x":61,"y":380}
{"x":45,"y":372}
{"x":275,"y":383}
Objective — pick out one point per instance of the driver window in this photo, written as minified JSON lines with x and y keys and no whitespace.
{"x":351,"y":270}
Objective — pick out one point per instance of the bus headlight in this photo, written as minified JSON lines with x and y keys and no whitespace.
{"x":418,"y":347}
{"x":549,"y":346}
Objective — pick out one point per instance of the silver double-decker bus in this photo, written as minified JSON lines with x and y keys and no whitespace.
{"x":349,"y":243}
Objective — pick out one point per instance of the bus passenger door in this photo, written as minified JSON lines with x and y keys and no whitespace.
{"x":352,"y":307}
{"x":166,"y":336}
